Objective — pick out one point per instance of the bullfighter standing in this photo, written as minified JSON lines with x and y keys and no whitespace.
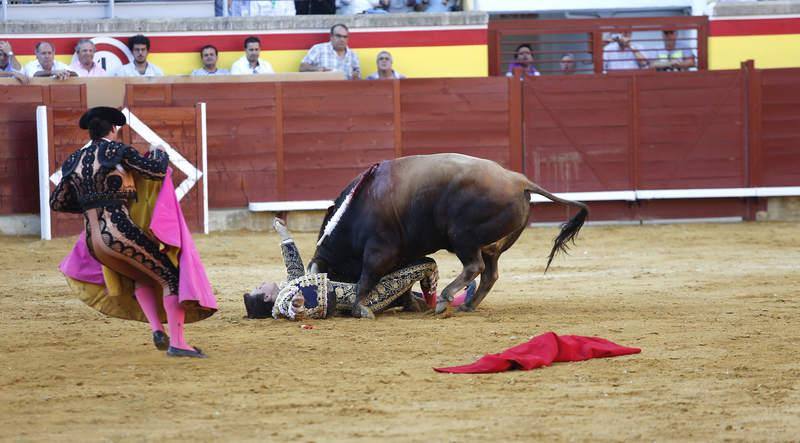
{"x":100,"y":181}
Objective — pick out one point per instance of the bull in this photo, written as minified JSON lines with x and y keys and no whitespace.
{"x":404,"y":209}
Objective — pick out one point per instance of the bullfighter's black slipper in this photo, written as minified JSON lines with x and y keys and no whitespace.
{"x":178,"y":352}
{"x":161,"y":340}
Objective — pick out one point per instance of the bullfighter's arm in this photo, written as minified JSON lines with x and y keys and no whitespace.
{"x":291,"y":255}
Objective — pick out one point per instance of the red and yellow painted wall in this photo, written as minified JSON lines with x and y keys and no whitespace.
{"x":772,"y":41}
{"x":440,"y":51}
{"x":432,"y":51}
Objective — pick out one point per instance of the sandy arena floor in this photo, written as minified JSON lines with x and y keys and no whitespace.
{"x":714,"y":308}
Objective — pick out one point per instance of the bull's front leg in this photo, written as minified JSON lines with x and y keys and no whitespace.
{"x":379,"y":259}
{"x":365,"y":285}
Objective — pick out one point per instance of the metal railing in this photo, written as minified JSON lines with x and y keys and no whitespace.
{"x":94,"y":9}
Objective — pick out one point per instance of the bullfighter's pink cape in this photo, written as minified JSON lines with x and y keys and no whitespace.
{"x":169,"y":226}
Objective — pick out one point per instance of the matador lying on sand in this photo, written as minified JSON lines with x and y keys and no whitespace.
{"x":309,"y":296}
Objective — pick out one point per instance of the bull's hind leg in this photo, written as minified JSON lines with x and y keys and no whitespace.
{"x":473,"y":266}
{"x":488,"y":278}
{"x":491,"y":255}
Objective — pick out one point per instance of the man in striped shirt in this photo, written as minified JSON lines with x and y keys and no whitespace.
{"x":333,"y":55}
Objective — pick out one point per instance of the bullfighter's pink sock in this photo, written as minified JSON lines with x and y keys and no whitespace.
{"x":175,"y":318}
{"x":147,"y":301}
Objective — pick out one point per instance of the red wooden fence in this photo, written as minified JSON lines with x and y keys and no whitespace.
{"x":627,"y":131}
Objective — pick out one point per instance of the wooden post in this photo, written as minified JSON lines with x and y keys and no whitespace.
{"x":516,"y":161}
{"x":279,"y":146}
{"x":398,"y":119}
{"x":597,"y":51}
{"x":752,"y":114}
{"x":635,"y":135}
{"x":752,"y":149}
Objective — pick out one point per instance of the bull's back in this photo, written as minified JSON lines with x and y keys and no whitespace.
{"x":437,"y":199}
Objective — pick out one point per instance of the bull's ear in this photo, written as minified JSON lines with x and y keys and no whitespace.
{"x":329,"y":212}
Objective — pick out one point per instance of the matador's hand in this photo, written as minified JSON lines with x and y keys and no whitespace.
{"x":280,"y":228}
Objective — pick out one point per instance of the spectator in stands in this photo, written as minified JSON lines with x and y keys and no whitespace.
{"x":333,"y":55}
{"x":9,"y":66}
{"x":394,"y":6}
{"x":250,"y":62}
{"x":352,"y":7}
{"x":435,"y":6}
{"x":140,"y":67}
{"x":568,"y":64}
{"x":385,"y":71}
{"x":46,"y":64}
{"x":84,"y":64}
{"x":675,"y":55}
{"x":209,"y":55}
{"x":523,"y":57}
{"x":238,"y":7}
{"x":271,"y":8}
{"x":622,"y":54}
{"x":315,"y":7}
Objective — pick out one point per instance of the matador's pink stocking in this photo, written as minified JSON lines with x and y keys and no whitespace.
{"x":175,"y":318}
{"x":148,"y":302}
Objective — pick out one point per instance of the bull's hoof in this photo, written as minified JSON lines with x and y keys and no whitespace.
{"x":466,"y":308}
{"x":443,"y":308}
{"x":361,"y":311}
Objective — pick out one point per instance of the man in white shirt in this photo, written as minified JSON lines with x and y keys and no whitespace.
{"x":140,"y":67}
{"x":209,"y":55}
{"x":333,"y":55}
{"x":622,"y":54}
{"x":84,"y":65}
{"x":385,"y":69}
{"x":46,"y":64}
{"x":250,"y":62}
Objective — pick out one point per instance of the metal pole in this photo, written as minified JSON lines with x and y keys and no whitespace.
{"x":110,"y":8}
{"x":5,"y":10}
{"x":225,"y":11}
{"x":43,"y":145}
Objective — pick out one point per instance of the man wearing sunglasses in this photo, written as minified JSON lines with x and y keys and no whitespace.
{"x":333,"y":55}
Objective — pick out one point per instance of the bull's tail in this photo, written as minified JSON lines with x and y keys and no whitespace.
{"x":569,"y":230}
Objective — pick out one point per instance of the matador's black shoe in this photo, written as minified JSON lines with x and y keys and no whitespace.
{"x":178,"y":352}
{"x":161,"y":340}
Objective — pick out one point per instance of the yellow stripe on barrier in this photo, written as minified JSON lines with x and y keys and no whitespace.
{"x":768,"y":51}
{"x":414,"y":62}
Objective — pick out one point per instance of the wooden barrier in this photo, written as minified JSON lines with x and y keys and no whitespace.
{"x":178,"y":126}
{"x":19,"y":189}
{"x":634,"y":139}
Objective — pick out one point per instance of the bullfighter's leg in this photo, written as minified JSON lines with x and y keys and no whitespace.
{"x":398,"y":284}
{"x":473,"y":266}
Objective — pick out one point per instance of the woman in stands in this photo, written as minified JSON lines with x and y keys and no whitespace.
{"x":309,"y":296}
{"x":97,"y":181}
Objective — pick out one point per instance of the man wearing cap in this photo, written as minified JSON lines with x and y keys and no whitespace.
{"x":100,"y":182}
{"x":9,"y":66}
